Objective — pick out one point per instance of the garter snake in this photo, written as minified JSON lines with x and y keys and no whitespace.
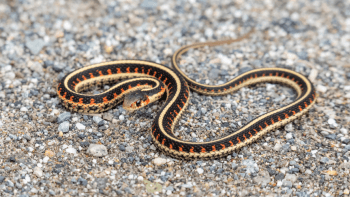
{"x":154,"y":80}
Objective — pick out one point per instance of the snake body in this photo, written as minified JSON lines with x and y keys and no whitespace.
{"x":155,"y":80}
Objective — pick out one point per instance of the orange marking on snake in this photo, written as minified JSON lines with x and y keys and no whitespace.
{"x":256,"y":75}
{"x":163,"y":141}
{"x":99,"y":72}
{"x":310,"y":100}
{"x":313,"y":96}
{"x":78,"y":80}
{"x":136,"y":70}
{"x":245,"y":138}
{"x":180,"y":148}
{"x":276,"y":73}
{"x":270,"y":74}
{"x":142,"y":70}
{"x":203,"y":150}
{"x":64,"y":95}
{"x":122,"y":90}
{"x":213,"y":148}
{"x":185,"y":96}
{"x":263,"y":75}
{"x":223,"y":146}
{"x":154,"y":131}
{"x":160,"y":76}
{"x":300,"y":108}
{"x":81,"y":101}
{"x":119,"y":71}
{"x":115,"y":95}
{"x":266,"y":124}
{"x":179,"y":106}
{"x":83,"y":77}
{"x":105,"y":100}
{"x":128,"y":70}
{"x":260,"y":127}
{"x":191,"y":150}
{"x":272,"y":121}
{"x":149,"y":70}
{"x":256,"y":132}
{"x":231,"y":142}
{"x":250,"y":134}
{"x":154,"y":74}
{"x":59,"y":91}
{"x":239,"y":141}
{"x":282,"y":75}
{"x":286,"y":115}
{"x":165,"y":80}
{"x":91,"y":75}
{"x":130,"y":87}
{"x":109,"y":71}
{"x":305,"y":104}
{"x":71,"y":98}
{"x":92,"y":101}
{"x":279,"y":118}
{"x":157,"y":136}
{"x":287,"y":77}
{"x":170,"y":146}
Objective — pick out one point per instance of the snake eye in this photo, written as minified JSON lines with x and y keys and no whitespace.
{"x":138,"y":103}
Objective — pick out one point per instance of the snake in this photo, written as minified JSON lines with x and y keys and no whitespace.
{"x":152,"y":81}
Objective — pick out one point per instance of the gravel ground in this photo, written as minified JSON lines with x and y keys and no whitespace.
{"x":46,"y":150}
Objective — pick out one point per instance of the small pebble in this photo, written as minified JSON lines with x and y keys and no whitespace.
{"x":97,"y":150}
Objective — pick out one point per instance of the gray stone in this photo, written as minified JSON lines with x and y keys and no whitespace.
{"x":82,"y":181}
{"x":251,"y":166}
{"x":289,"y":136}
{"x":331,"y":136}
{"x":64,"y":127}
{"x":108,"y":116}
{"x":58,"y":67}
{"x":279,"y":176}
{"x":287,"y":183}
{"x":170,"y":188}
{"x":96,"y":119}
{"x":35,"y":46}
{"x":63,"y":117}
{"x":97,"y":150}
{"x":121,"y":147}
{"x":324,"y":160}
{"x":149,"y":4}
{"x":52,"y":193}
{"x":2,"y":178}
{"x":289,"y":127}
{"x":244,"y":69}
{"x":263,"y":179}
{"x":9,"y":183}
{"x":214,"y":73}
{"x":291,"y":177}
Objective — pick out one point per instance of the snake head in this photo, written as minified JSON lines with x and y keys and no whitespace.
{"x":135,"y":100}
